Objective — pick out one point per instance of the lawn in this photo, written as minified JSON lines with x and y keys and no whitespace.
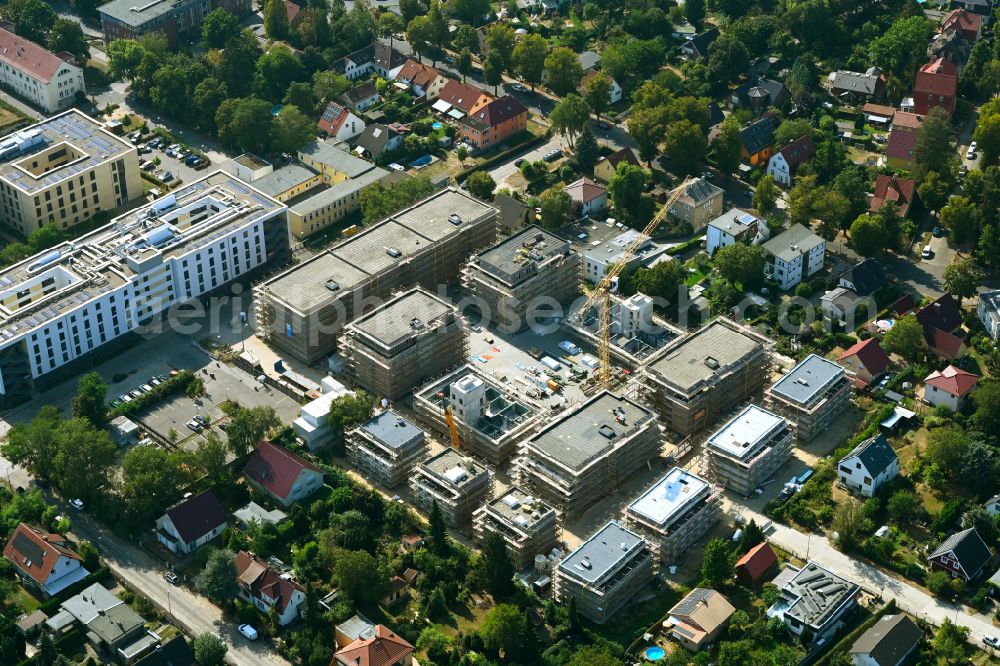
{"x":28,"y":601}
{"x":630,"y":623}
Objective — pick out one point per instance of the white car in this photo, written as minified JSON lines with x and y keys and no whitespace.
{"x":76,"y":504}
{"x":970,"y":154}
{"x":249,"y":632}
{"x":991,"y":640}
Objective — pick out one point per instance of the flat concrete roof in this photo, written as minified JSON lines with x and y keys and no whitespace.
{"x":303,"y":287}
{"x":669,"y":496}
{"x":431,"y":219}
{"x":602,"y":552}
{"x":512,"y":256}
{"x":518,"y":507}
{"x":452,"y":467}
{"x":591,"y":429}
{"x":813,"y":375}
{"x":392,"y":430}
{"x":689,"y":362}
{"x":751,"y":426}
{"x":406,"y":315}
{"x":332,"y":156}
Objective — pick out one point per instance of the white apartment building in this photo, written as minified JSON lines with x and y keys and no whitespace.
{"x":795,"y":255}
{"x":734,"y":226}
{"x":41,"y":77}
{"x":749,"y":449}
{"x":58,"y":306}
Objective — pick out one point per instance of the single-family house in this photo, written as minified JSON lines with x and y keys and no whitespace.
{"x":965,"y":22}
{"x":376,"y":58}
{"x":399,"y":589}
{"x":701,"y":202}
{"x":294,"y":14}
{"x":757,"y":141}
{"x":362,"y":96}
{"x":383,"y":648}
{"x":191,"y":522}
{"x":759,"y":94}
{"x":378,"y":139}
{"x":697,"y":46}
{"x":699,"y":618}
{"x":897,"y":190}
{"x":841,"y":304}
{"x":905,"y":121}
{"x":340,"y":122}
{"x":949,"y":387}
{"x":43,"y":561}
{"x":588,"y":195}
{"x":863,"y":278}
{"x":423,"y":80}
{"x":888,"y":642}
{"x":936,"y":85}
{"x":899,"y":149}
{"x":757,"y":563}
{"x":735,"y":226}
{"x":813,"y":598}
{"x":982,"y":7}
{"x":868,"y":466}
{"x":464,"y":98}
{"x":794,"y":255}
{"x":355,"y":627}
{"x":589,"y":61}
{"x":988,"y":311}
{"x":855,"y":87}
{"x":607,"y":166}
{"x":940,"y":319}
{"x":284,"y":476}
{"x":864,"y":361}
{"x":783,"y":163}
{"x":494,"y":122}
{"x":263,"y":587}
{"x":116,"y":631}
{"x":962,"y":555}
{"x":878,"y":114}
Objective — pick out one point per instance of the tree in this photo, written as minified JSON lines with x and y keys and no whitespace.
{"x":586,"y":149}
{"x":466,"y":37}
{"x":570,"y":116}
{"x":752,"y":536}
{"x":529,"y":58}
{"x":67,"y":35}
{"x":237,"y":64}
{"x":435,"y":604}
{"x":905,"y":338}
{"x":219,"y":26}
{"x":496,"y":566}
{"x":379,"y":201}
{"x":849,"y":522}
{"x":978,"y":468}
{"x":593,"y":655}
{"x":464,"y":63}
{"x":299,"y":95}
{"x":248,"y":426}
{"x":726,"y":146}
{"x":685,"y":146}
{"x":503,"y":629}
{"x":210,"y":456}
{"x":32,"y":19}
{"x":493,"y":69}
{"x":358,"y":575}
{"x":437,"y":532}
{"x":435,"y":643}
{"x":727,"y":59}
{"x":276,"y":70}
{"x":959,"y":217}
{"x":481,"y":184}
{"x":961,"y":278}
{"x":626,"y":190}
{"x":150,"y":480}
{"x":986,"y":399}
{"x":896,"y":50}
{"x":765,"y":197}
{"x":868,"y":235}
{"x":631,"y":62}
{"x":716,"y":563}
{"x":556,"y":205}
{"x":291,"y":130}
{"x":949,"y":642}
{"x":932,"y":150}
{"x":597,"y":92}
{"x":410,"y":9}
{"x":500,"y":37}
{"x":34,"y":445}
{"x":470,"y":11}
{"x":275,"y":20}
{"x":833,"y":210}
{"x":83,"y":459}
{"x":694,"y":12}
{"x":743,"y":264}
{"x":987,"y":134}
{"x":903,"y":506}
{"x":217,"y":580}
{"x":124,"y":57}
{"x":933,"y":191}
{"x":564,"y":70}
{"x":664,"y":280}
{"x":792,"y":129}
{"x":89,"y":403}
{"x":348,"y":411}
{"x":209,"y":650}
{"x":244,"y":123}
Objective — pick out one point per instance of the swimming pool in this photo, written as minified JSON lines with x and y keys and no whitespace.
{"x":654,"y":653}
{"x":422,"y":161}
{"x":437,"y":126}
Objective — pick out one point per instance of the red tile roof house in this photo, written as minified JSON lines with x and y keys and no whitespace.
{"x":465,"y":98}
{"x":588,"y":196}
{"x":284,"y":476}
{"x":265,"y":589}
{"x":783,"y":163}
{"x":949,"y":387}
{"x":939,"y":320}
{"x":898,"y":190}
{"x":43,"y":561}
{"x":424,"y":80}
{"x":607,"y":167}
{"x":385,"y":648}
{"x":191,"y":523}
{"x":936,"y":85}
{"x":48,"y":80}
{"x":494,"y":123}
{"x":963,"y":555}
{"x":757,"y":563}
{"x":865,"y":361}
{"x":968,"y":24}
{"x":899,"y":149}
{"x":340,"y":123}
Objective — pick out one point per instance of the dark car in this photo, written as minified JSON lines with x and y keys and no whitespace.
{"x":119,"y":377}
{"x":937,"y":232}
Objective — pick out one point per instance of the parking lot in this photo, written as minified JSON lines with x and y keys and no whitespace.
{"x":180,"y":171}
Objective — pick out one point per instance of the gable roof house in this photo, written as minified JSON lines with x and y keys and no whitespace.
{"x":940,"y":319}
{"x":757,"y":141}
{"x":949,"y":387}
{"x":48,"y":80}
{"x":284,"y":476}
{"x":981,"y":7}
{"x":465,"y":98}
{"x":699,"y":618}
{"x":378,"y":138}
{"x":423,"y":80}
{"x":340,"y":123}
{"x":260,"y":585}
{"x":589,"y":61}
{"x":361,"y":97}
{"x":607,"y":166}
{"x":864,"y":361}
{"x":936,"y":85}
{"x":869,"y":465}
{"x":962,"y":555}
{"x":494,"y":122}
{"x":968,"y":24}
{"x":696,"y":47}
{"x":899,"y":149}
{"x":906,"y":121}
{"x":588,"y":195}
{"x":783,"y":163}
{"x":191,"y":522}
{"x":864,"y":278}
{"x":898,"y":190}
{"x":887,"y":643}
{"x":758,"y":95}
{"x":382,"y":648}
{"x":43,"y":561}
{"x":376,"y":58}
{"x":854,"y":87}
{"x":756,"y":563}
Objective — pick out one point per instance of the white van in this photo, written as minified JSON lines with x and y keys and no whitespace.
{"x":928,"y":252}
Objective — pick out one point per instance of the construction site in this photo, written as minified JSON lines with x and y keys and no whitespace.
{"x":748,"y":449}
{"x":524,"y":275}
{"x":302,"y":309}
{"x":528,"y":526}
{"x":586,"y":452}
{"x":458,"y":484}
{"x":698,"y":379}
{"x":385,"y":448}
{"x":674,"y":513}
{"x":398,"y":346}
{"x":635,"y":334}
{"x":490,"y":419}
{"x":810,"y":396}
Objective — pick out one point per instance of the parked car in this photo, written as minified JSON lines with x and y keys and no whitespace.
{"x":249,"y":632}
{"x":148,"y":166}
{"x":707,"y":175}
{"x":194,"y":425}
{"x":155,"y":381}
{"x":927,"y":252}
{"x":116,"y":403}
{"x":937,"y":232}
{"x":125,"y":397}
{"x":552,"y":155}
{"x":970,"y":154}
{"x":144,"y":150}
{"x":517,"y":87}
{"x":172,"y":578}
{"x":77,"y":504}
{"x":167,"y":177}
{"x":145,"y":388}
{"x":201,"y":419}
{"x":519,"y":161}
{"x":991,"y":640}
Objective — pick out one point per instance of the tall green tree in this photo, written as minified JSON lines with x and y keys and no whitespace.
{"x":275,"y":71}
{"x":481,"y":184}
{"x":961,"y":219}
{"x":151,"y":480}
{"x":717,"y":562}
{"x":694,"y":12}
{"x":932,"y":150}
{"x":209,"y":649}
{"x":529,"y":58}
{"x":587,"y":150}
{"x":726,"y":146}
{"x":358,"y":575}
{"x":570,"y":116}
{"x":493,"y":69}
{"x":244,"y":123}
{"x":219,"y":26}
{"x":237,"y":64}
{"x":500,"y":37}
{"x":275,"y":19}
{"x":248,"y":426}
{"x":504,"y":629}
{"x":437,"y":532}
{"x":346,"y":412}
{"x":83,"y":460}
{"x":90,"y":401}
{"x":556,"y":206}
{"x":67,"y":35}
{"x":626,"y":192}
{"x":898,"y":48}
{"x":597,"y":92}
{"x":686,"y":146}
{"x":868,"y":235}
{"x":217,"y":579}
{"x":32,"y":19}
{"x":962,"y":277}
{"x":765,"y":197}
{"x":496,"y":566}
{"x":743,"y":264}
{"x":905,"y":338}
{"x":563,"y":70}
{"x":35,"y":445}
{"x":291,"y":130}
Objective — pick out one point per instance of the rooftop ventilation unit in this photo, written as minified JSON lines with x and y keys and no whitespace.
{"x":711,"y":362}
{"x":333,"y":285}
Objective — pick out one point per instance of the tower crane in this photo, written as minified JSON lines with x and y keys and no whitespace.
{"x":601,"y":296}
{"x":452,"y":428}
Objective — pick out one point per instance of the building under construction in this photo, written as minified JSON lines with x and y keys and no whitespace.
{"x":457,"y":483}
{"x":636,"y":333}
{"x":490,"y":418}
{"x":749,"y":449}
{"x":810,"y":396}
{"x":385,"y":448}
{"x":523,"y":275}
{"x":527,"y":524}
{"x":674,"y":513}
{"x":395,"y":348}
{"x":588,"y":451}
{"x":698,"y":379}
{"x":301,"y":309}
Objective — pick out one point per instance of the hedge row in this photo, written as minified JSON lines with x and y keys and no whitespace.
{"x":177,"y":384}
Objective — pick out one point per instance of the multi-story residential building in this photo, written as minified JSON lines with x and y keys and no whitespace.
{"x":376,"y":58}
{"x":988,"y":311}
{"x":361,"y":96}
{"x":494,"y":122}
{"x":58,"y":307}
{"x":588,"y":451}
{"x":177,"y":19}
{"x":64,"y":170}
{"x":869,"y":466}
{"x":597,"y":259}
{"x":813,"y":598}
{"x":700,"y":203}
{"x":606,"y":572}
{"x":810,"y":396}
{"x":301,"y":309}
{"x":747,"y":450}
{"x":458,"y":484}
{"x":674,"y":513}
{"x":424,"y":80}
{"x":735,"y":226}
{"x":528,"y":525}
{"x":697,"y":379}
{"x":385,"y":448}
{"x":757,"y":141}
{"x":329,"y":205}
{"x":963,"y":555}
{"x":794,"y":255}
{"x":607,"y":167}
{"x":490,"y":417}
{"x":45,"y":79}
{"x":636,"y":332}
{"x":402,"y":344}
{"x":523,"y":273}
{"x":936,"y":85}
